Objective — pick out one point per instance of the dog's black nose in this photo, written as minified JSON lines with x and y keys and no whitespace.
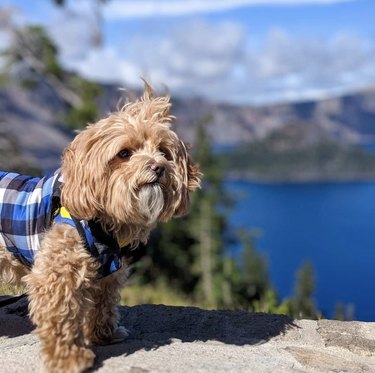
{"x":157,"y":168}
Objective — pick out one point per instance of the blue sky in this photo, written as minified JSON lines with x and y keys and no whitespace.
{"x":240,"y":51}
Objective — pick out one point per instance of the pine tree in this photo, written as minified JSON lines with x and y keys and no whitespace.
{"x":209,"y":225}
{"x":189,"y":253}
{"x":32,"y":60}
{"x":302,"y":303}
{"x":253,"y":280}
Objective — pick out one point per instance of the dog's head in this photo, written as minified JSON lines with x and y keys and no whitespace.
{"x":129,"y":168}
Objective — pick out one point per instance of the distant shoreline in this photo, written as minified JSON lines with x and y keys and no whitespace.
{"x":307,"y":179}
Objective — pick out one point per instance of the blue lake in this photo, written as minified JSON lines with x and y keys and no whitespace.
{"x":332,"y":225}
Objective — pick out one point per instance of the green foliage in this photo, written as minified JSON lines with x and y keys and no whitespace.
{"x":32,"y":44}
{"x":47,"y":51}
{"x":189,"y":256}
{"x":158,"y":293}
{"x":187,"y":261}
{"x":252,"y":283}
{"x":8,"y":289}
{"x":302,"y":303}
{"x":344,"y":312}
{"x":4,"y":78}
{"x":190,"y":251}
{"x":36,"y":57}
{"x":218,"y":277}
{"x":269,"y":303}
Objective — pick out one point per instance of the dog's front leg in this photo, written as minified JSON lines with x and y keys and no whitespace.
{"x":102,"y":326}
{"x":59,"y":295}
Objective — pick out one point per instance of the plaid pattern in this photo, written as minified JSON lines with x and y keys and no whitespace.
{"x":25,"y":214}
{"x":25,"y":207}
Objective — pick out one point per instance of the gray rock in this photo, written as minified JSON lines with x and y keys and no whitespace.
{"x":186,"y":339}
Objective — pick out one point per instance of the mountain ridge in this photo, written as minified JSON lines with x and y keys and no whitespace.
{"x":347,"y":119}
{"x":38,"y":112}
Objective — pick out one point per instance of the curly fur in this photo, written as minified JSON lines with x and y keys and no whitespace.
{"x":70,"y":307}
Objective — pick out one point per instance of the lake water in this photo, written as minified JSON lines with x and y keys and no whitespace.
{"x":332,"y":225}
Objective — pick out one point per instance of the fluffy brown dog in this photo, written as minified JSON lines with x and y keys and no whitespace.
{"x":124,"y":173}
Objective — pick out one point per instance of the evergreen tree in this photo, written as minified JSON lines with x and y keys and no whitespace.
{"x":215,"y":271}
{"x":32,"y":60}
{"x":190,"y":256}
{"x":189,"y":253}
{"x":253,"y":280}
{"x":302,"y":303}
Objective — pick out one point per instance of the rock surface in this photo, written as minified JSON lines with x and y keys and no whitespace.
{"x":185,"y":339}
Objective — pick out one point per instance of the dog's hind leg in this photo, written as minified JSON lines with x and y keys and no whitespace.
{"x":12,"y":270}
{"x":102,"y":324}
{"x":59,"y":299}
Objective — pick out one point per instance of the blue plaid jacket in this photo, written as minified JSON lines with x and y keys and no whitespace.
{"x":26,"y":205}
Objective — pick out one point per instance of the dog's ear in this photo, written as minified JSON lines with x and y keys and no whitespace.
{"x":82,"y":171}
{"x":191,"y":179}
{"x":194,"y":175}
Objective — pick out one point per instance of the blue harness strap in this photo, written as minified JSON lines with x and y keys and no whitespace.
{"x":101,"y":245}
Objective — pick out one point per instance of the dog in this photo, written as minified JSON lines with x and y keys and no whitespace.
{"x":119,"y":177}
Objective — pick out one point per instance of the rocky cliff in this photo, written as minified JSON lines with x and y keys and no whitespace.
{"x":30,"y":127}
{"x":347,"y":119}
{"x":185,"y":340}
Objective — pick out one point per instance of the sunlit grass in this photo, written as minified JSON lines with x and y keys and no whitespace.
{"x":133,"y":295}
{"x":7,"y":289}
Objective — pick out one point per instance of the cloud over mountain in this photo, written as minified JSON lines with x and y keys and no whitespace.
{"x":217,"y":61}
{"x":219,"y":58}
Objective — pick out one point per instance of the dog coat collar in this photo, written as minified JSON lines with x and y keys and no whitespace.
{"x":102,"y":246}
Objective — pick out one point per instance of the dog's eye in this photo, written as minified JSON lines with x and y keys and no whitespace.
{"x":166,"y":153}
{"x":124,"y":153}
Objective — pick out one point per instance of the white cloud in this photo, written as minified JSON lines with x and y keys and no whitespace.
{"x":193,"y":50}
{"x":208,"y":59}
{"x":107,"y":66}
{"x":192,"y":61}
{"x":218,"y":60}
{"x":182,"y":61}
{"x":126,"y":9}
{"x":322,"y":60}
{"x":192,"y":57}
{"x":73,"y":32}
{"x":291,"y":68}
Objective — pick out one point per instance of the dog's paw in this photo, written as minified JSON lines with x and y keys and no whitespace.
{"x":120,"y":334}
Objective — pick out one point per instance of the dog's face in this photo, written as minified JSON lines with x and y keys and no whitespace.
{"x":129,"y":168}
